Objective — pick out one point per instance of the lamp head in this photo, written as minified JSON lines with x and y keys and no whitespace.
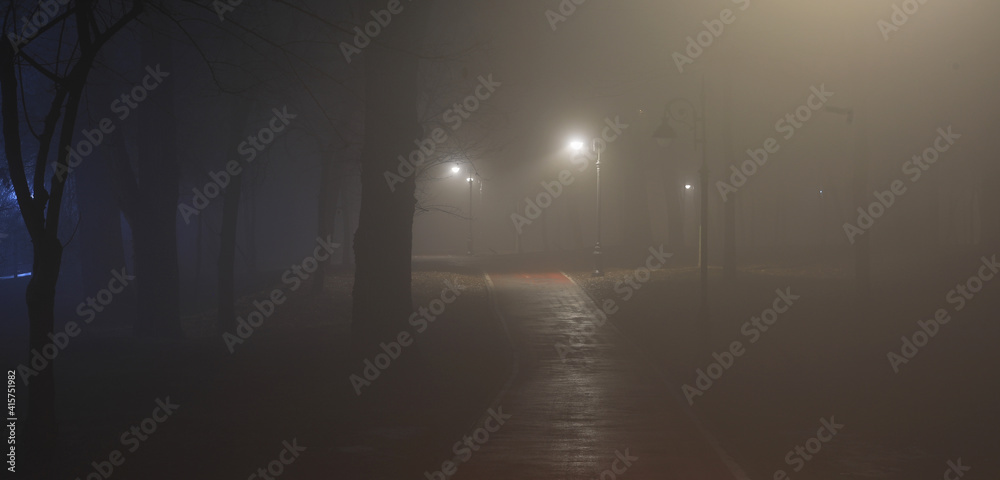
{"x":664,"y":133}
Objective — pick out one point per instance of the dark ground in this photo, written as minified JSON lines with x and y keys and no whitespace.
{"x":825,"y":356}
{"x":290,"y":379}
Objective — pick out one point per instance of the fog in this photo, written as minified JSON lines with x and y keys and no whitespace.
{"x":477,"y":239}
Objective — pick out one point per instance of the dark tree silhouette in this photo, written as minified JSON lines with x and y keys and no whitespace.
{"x":239,"y":114}
{"x":67,"y":70}
{"x":384,"y":238}
{"x":157,"y":179}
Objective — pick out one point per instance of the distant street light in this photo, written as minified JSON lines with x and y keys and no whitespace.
{"x":684,"y":112}
{"x":471,"y":182}
{"x":577,"y":145}
{"x":470,"y":211}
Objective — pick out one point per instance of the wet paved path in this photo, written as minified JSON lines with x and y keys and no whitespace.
{"x":569,"y":418}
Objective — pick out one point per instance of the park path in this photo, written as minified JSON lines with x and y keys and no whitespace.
{"x":573,"y":419}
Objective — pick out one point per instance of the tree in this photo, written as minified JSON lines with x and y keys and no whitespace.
{"x":100,"y":228}
{"x":66,"y":63}
{"x":230,"y":214}
{"x":157,"y":178}
{"x":384,"y":238}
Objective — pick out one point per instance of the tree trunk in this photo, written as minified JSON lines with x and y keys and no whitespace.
{"x":326,"y":211}
{"x":198,"y":255}
{"x":155,"y":227}
{"x":383,"y":243}
{"x":101,"y":236}
{"x":250,"y":216}
{"x":347,"y":233}
{"x":40,"y":210}
{"x":230,"y":220}
{"x":100,"y":224}
{"x":227,"y":255}
{"x":100,"y":215}
{"x":41,"y":297}
{"x":384,"y":238}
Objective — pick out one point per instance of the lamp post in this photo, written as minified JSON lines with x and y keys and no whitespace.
{"x":456,"y":169}
{"x":598,"y":261}
{"x":684,"y":112}
{"x":470,"y":213}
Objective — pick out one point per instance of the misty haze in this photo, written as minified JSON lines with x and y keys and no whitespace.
{"x":477,"y":239}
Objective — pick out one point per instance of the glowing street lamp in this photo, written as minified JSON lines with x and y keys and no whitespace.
{"x":472,"y":172}
{"x":578,"y":145}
